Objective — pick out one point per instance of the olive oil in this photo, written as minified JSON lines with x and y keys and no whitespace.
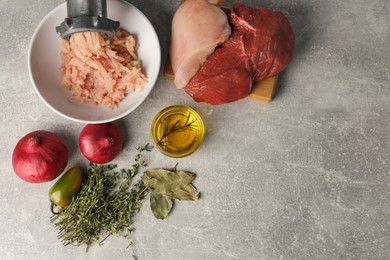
{"x":178,"y":131}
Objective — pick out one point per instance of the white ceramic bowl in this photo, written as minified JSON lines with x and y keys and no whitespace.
{"x":44,"y":63}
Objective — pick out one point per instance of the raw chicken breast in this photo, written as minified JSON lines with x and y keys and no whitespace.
{"x":198,"y":27}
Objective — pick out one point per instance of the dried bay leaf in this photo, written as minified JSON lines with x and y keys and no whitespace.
{"x":188,"y":192}
{"x":161,"y":205}
{"x":168,"y":182}
{"x":167,"y":186}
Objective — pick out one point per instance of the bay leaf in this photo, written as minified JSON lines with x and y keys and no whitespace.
{"x":187,"y":192}
{"x":160,"y":204}
{"x":171,"y":183}
{"x":167,"y":186}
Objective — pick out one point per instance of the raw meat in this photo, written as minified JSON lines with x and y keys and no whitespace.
{"x":225,"y":77}
{"x":101,"y":72}
{"x":268,"y":36}
{"x":261,"y":45}
{"x":198,"y":27}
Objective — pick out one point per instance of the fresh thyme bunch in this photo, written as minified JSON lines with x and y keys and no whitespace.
{"x":105,"y":205}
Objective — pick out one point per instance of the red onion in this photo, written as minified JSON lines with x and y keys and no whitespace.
{"x":100,"y":143}
{"x":39,"y":156}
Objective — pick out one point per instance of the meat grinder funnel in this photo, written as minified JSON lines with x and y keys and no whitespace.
{"x":87,"y":16}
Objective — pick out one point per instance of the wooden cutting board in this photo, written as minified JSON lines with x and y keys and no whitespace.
{"x":263,"y":90}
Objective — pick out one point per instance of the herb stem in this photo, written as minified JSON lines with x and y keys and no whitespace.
{"x":176,"y":127}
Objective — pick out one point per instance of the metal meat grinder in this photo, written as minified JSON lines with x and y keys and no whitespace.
{"x":87,"y":16}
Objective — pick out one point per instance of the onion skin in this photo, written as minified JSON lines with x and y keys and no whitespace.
{"x":39,"y":156}
{"x":100,"y":143}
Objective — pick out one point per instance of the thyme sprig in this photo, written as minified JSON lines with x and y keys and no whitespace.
{"x":177,"y":127}
{"x":105,"y":205}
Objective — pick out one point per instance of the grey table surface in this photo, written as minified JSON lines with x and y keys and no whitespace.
{"x":306,"y":176}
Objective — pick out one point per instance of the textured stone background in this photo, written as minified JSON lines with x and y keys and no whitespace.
{"x":304,"y":177}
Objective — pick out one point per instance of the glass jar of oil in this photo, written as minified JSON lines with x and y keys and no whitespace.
{"x":177,"y":131}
